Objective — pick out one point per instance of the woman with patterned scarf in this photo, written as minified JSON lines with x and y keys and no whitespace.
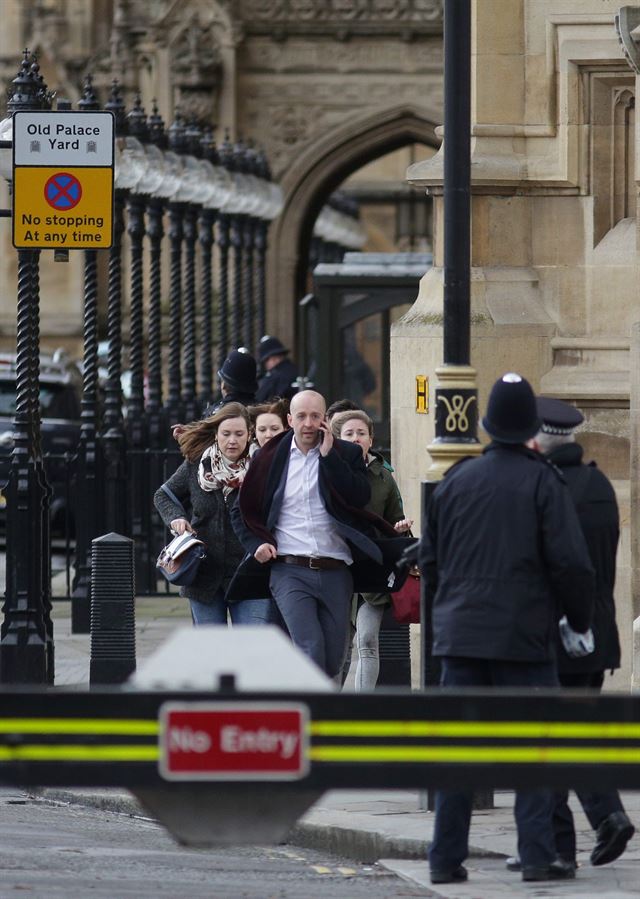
{"x":216,"y":459}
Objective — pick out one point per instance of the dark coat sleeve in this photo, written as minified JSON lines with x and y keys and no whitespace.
{"x":347,"y":474}
{"x":570,"y":571}
{"x":178,"y":483}
{"x":247,"y":538}
{"x":427,"y":554}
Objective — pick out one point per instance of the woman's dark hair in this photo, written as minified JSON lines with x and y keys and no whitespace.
{"x":277,"y":407}
{"x":200,"y":435}
{"x":341,"y":406}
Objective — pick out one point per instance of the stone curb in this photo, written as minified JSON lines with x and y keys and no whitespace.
{"x":366,"y":846}
{"x":121,"y":803}
{"x":360,"y":845}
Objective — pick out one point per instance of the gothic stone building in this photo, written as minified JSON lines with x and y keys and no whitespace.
{"x":325,"y":86}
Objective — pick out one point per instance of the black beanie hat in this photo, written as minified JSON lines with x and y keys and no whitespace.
{"x":512,"y":416}
{"x":239,"y":372}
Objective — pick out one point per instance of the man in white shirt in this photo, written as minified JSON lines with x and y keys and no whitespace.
{"x":299,"y":512}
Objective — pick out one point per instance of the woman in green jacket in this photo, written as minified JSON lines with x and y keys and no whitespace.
{"x":357,"y":427}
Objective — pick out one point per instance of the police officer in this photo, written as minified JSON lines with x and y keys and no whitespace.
{"x":237,"y":385}
{"x":595,"y":502}
{"x":503,"y":557}
{"x":280,"y":372}
{"x":238,"y":382}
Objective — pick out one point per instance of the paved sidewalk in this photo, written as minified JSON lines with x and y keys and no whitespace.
{"x":371,"y":825}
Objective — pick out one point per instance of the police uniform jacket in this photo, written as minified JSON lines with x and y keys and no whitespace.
{"x":277,"y":382}
{"x":595,"y":502}
{"x":234,"y":396}
{"x":503,"y":558}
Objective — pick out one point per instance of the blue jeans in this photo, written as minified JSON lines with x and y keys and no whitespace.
{"x":246,"y":611}
{"x":533,"y":809}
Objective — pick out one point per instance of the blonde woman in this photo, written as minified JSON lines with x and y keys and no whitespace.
{"x":356,"y":427}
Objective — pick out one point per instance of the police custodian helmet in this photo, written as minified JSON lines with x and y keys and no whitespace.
{"x":239,"y":372}
{"x":511,"y":416}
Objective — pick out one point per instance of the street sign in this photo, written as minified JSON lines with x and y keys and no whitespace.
{"x":63,"y":191}
{"x":221,"y":741}
{"x":63,"y":180}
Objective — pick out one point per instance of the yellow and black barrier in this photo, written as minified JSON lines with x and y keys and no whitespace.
{"x":418,"y":740}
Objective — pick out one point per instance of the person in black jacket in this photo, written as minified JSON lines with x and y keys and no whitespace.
{"x":238,"y":382}
{"x":280,"y":372}
{"x":503,"y":557}
{"x":595,"y":502}
{"x":237,"y":385}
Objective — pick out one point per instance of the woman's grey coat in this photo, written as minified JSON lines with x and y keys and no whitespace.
{"x":209,"y":516}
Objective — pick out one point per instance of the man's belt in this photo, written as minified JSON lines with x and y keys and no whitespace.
{"x":315,"y":563}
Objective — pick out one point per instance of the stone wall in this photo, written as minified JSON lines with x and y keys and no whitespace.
{"x":323,"y":85}
{"x":554,"y":288}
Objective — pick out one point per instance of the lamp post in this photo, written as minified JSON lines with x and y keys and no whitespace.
{"x":456,"y":396}
{"x":25,"y":632}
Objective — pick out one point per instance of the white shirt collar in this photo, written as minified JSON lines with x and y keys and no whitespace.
{"x":296,"y":449}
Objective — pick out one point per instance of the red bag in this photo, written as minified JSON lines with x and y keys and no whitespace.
{"x":406,"y":601}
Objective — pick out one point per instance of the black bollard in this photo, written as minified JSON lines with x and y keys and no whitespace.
{"x":113,"y":621}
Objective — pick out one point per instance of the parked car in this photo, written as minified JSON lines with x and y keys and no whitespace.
{"x":60,"y":393}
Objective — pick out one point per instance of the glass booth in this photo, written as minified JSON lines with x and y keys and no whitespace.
{"x":346,"y":325}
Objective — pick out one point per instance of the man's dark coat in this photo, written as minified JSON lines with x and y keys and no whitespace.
{"x":504,"y":557}
{"x":595,"y":502}
{"x":344,"y":490}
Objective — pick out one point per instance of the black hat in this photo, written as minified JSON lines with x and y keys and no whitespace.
{"x":511,"y":411}
{"x":239,"y":372}
{"x":270,"y":346}
{"x":558,"y":417}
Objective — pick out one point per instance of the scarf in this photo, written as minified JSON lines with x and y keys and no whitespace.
{"x":216,"y":472}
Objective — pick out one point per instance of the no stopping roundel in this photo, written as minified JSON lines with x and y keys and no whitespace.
{"x":63,"y":191}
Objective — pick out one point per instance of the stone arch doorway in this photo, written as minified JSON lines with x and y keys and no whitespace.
{"x":311,"y":179}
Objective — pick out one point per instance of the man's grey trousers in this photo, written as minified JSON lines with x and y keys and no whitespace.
{"x":316,"y":607}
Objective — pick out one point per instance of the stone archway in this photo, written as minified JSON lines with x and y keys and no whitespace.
{"x":310,"y":180}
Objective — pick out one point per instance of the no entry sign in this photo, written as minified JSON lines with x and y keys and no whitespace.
{"x":63,"y":180}
{"x":220,"y":741}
